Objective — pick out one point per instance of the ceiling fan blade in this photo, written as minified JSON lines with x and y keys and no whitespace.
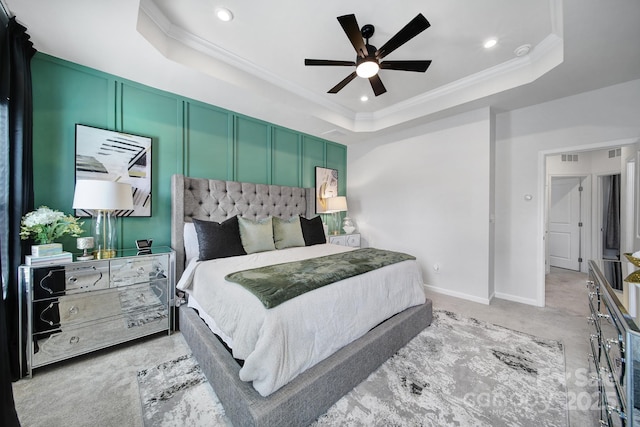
{"x":418,"y":66}
{"x":351,"y":28}
{"x":327,"y":62}
{"x":376,"y":85}
{"x":343,"y":83}
{"x":412,"y":29}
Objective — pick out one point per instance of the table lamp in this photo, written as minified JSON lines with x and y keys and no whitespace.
{"x":335,"y":205}
{"x":102,"y":199}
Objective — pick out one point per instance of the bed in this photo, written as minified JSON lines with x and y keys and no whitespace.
{"x":317,"y":382}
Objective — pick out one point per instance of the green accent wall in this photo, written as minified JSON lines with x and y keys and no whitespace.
{"x":189,"y":137}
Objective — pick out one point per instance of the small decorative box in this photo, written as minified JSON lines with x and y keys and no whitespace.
{"x":46,"y":250}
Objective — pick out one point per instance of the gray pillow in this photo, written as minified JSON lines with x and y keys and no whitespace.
{"x":287,"y":233}
{"x":256,"y":236}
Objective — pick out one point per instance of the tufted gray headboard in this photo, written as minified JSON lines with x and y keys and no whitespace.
{"x":215,"y":200}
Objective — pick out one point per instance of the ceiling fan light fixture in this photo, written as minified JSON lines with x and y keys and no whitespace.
{"x":224,"y":14}
{"x":367,"y":68}
{"x":368,"y":58}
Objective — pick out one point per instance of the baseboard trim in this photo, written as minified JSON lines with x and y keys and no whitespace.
{"x":514,"y":298}
{"x":438,"y":290}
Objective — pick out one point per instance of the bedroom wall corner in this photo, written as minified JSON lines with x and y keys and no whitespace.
{"x":429,"y":195}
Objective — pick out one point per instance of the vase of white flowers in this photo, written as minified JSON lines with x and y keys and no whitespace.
{"x":44,"y":225}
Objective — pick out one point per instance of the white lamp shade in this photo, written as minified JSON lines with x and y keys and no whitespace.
{"x":102,"y":195}
{"x":336,"y":204}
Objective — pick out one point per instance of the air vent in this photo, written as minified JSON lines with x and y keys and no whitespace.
{"x":569,"y":157}
{"x":615,"y":153}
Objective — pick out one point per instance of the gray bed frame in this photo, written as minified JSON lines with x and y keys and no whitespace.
{"x":310,"y":394}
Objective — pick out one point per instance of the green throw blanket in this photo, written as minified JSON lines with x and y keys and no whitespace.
{"x":278,"y":283}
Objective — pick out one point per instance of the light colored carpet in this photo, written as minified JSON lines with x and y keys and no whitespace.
{"x":98,"y":389}
{"x":101,"y":389}
{"x":457,"y":372}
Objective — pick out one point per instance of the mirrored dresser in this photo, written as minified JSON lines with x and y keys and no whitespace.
{"x":615,"y":342}
{"x":71,"y":309}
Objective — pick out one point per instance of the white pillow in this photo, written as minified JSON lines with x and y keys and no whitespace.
{"x":191,"y":247}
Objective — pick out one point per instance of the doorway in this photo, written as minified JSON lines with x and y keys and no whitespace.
{"x":606,"y":158}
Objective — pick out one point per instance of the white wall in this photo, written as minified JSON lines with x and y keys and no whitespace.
{"x":430,"y":196}
{"x":591,"y":120}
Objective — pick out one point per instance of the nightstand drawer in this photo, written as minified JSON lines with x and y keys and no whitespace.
{"x":71,"y":278}
{"x":72,"y":310}
{"x":86,"y":276}
{"x":141,"y":269}
{"x":72,"y":341}
{"x":352,"y":240}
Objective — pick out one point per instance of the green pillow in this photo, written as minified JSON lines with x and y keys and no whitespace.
{"x":287,"y":233}
{"x":256,"y":236}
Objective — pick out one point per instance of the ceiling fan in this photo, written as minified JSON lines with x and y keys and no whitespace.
{"x":369,"y":59}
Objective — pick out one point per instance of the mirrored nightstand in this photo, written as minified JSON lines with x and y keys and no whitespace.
{"x":352,"y":240}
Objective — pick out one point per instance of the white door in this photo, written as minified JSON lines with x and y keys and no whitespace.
{"x":564,"y":223}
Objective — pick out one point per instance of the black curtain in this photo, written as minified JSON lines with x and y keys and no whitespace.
{"x":16,"y":195}
{"x":612,"y":228}
{"x":612,"y":232}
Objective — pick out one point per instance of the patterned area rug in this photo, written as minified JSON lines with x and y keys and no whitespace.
{"x":457,"y":372}
{"x":176,"y":393}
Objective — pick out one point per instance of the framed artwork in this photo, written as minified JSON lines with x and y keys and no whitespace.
{"x":115,"y":156}
{"x":326,"y":186}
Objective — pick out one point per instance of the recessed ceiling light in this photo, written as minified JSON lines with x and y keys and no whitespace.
{"x":224,"y":14}
{"x":490,"y":43}
{"x":364,"y":98}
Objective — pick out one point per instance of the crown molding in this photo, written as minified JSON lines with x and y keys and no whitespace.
{"x":515,"y":72}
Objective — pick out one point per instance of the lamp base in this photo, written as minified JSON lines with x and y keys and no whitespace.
{"x":104,"y":253}
{"x":105,"y":234}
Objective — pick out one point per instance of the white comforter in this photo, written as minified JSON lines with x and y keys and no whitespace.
{"x":278,"y":344}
